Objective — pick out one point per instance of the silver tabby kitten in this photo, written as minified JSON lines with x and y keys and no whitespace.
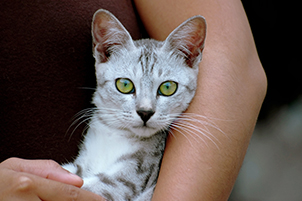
{"x":142,"y":87}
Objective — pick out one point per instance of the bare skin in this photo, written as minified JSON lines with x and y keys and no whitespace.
{"x":231,"y":88}
{"x":40,"y":180}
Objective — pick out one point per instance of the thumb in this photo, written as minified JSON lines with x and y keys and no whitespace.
{"x":48,"y":169}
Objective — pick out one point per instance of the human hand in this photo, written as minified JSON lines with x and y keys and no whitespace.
{"x":40,"y":180}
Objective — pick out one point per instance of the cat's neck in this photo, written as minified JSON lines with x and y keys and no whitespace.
{"x":103,"y":145}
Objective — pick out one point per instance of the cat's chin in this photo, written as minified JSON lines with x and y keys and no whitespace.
{"x":144,"y":131}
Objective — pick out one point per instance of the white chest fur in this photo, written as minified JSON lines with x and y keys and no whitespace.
{"x":101,"y":149}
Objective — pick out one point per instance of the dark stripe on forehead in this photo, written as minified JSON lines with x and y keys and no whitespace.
{"x":147,"y":60}
{"x":141,"y":60}
{"x":153,"y":63}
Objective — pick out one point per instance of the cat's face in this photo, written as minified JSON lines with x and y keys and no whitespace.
{"x":144,"y":85}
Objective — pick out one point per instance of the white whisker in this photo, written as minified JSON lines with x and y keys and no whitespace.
{"x":209,"y":120}
{"x":85,"y":114}
{"x":191,"y":132}
{"x":179,"y":130}
{"x":89,"y":88}
{"x":196,"y":126}
{"x":198,"y":132}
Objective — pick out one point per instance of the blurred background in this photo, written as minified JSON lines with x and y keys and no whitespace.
{"x":272,"y":170}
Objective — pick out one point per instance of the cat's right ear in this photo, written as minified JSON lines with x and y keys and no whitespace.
{"x":108,"y":34}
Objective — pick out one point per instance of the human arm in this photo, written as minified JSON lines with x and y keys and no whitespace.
{"x":231,"y":89}
{"x":40,"y":180}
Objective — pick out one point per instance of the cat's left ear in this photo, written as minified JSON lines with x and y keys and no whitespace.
{"x":108,"y":35}
{"x":188,"y":39}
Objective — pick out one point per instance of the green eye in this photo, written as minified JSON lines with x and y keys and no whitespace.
{"x":124,"y":85}
{"x":167,"y":88}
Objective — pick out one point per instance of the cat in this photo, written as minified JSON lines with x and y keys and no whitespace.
{"x":142,"y":87}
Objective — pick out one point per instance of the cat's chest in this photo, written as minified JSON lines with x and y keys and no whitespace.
{"x":102,"y":148}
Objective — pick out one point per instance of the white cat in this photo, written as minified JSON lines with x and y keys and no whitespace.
{"x":142,"y":87}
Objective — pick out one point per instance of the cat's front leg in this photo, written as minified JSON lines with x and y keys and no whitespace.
{"x":106,"y":187}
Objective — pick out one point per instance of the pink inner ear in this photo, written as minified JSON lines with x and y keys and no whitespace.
{"x":195,"y":34}
{"x":100,"y":33}
{"x":195,"y":42}
{"x":189,"y":39}
{"x":101,"y":27}
{"x":108,"y":32}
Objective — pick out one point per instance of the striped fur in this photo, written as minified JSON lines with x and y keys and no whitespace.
{"x":120,"y":156}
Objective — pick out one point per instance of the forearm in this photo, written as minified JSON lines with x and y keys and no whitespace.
{"x":231,"y":89}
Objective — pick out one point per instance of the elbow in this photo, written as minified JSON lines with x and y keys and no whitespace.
{"x":258,"y":79}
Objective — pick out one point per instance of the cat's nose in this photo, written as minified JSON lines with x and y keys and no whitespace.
{"x":145,"y":115}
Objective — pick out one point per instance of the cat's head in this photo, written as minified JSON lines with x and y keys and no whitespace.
{"x":142,"y":86}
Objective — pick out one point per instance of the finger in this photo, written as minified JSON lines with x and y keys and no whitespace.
{"x":55,"y":191}
{"x":30,"y":187}
{"x":44,"y":168}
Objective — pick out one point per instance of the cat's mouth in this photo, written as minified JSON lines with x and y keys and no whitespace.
{"x":144,"y":130}
{"x":144,"y":127}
